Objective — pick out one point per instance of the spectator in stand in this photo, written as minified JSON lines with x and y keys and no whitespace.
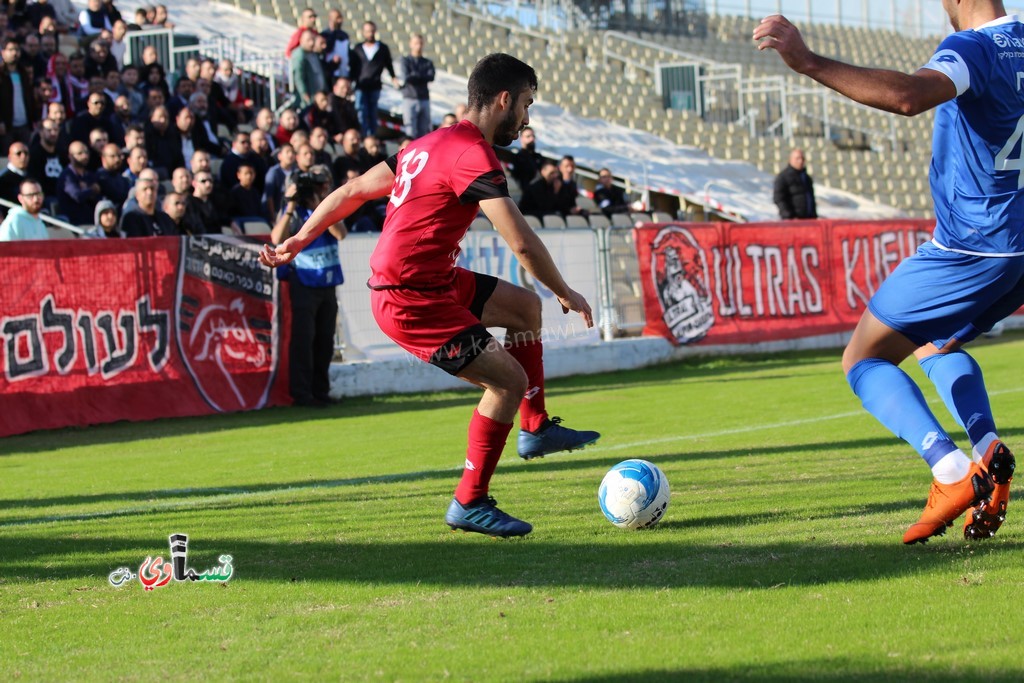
{"x":15,"y":172}
{"x":15,"y":97}
{"x":307,"y":22}
{"x":163,"y":142}
{"x":205,"y":136}
{"x":78,"y":81}
{"x":93,"y":19}
{"x":154,"y":76}
{"x":114,"y":184}
{"x":121,"y":119}
{"x":98,"y":139}
{"x":118,"y":46}
{"x":526,"y":164}
{"x":299,"y":138}
{"x":181,"y":181}
{"x":304,"y":156}
{"x":33,"y":16}
{"x":288,"y":124}
{"x":200,"y":163}
{"x":570,"y":191}
{"x":318,"y":141}
{"x":31,"y":54}
{"x":60,"y":77}
{"x":190,"y":138}
{"x":230,"y":84}
{"x":47,"y":48}
{"x":319,"y":113}
{"x":129,"y":86}
{"x":23,"y":223}
{"x":138,"y":163}
{"x":183,"y":90}
{"x":540,"y":198}
{"x":277,"y":178}
{"x":154,"y":98}
{"x":371,"y":154}
{"x":348,"y":160}
{"x":307,"y":76}
{"x":44,"y":159}
{"x":202,"y":216}
{"x":41,"y":96}
{"x":244,"y":201}
{"x":174,"y":207}
{"x":220,"y":111}
{"x":342,"y":109}
{"x":77,"y":189}
{"x":312,"y":282}
{"x":369,"y":60}
{"x":140,"y":20}
{"x":448,"y":120}
{"x":146,"y":219}
{"x":608,"y":197}
{"x":417,"y":71}
{"x":106,"y":221}
{"x":337,"y":49}
{"x":160,"y":17}
{"x":794,"y":189}
{"x":111,"y":10}
{"x":134,"y":136}
{"x":260,"y":145}
{"x":264,"y":121}
{"x":460,"y":111}
{"x":99,"y":61}
{"x":241,"y":153}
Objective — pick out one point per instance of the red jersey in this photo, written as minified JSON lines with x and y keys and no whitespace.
{"x":440,"y":180}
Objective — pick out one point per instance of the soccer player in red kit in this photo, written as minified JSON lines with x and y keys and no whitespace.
{"x":440,"y":312}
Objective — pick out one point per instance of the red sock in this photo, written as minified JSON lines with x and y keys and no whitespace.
{"x":486,"y":442}
{"x":531,"y":356}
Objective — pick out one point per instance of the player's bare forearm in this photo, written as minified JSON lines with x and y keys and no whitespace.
{"x":335,"y":208}
{"x":346,"y":200}
{"x":884,"y":89}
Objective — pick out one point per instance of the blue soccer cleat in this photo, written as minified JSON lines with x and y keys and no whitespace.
{"x":484,"y":517}
{"x":552,"y":437}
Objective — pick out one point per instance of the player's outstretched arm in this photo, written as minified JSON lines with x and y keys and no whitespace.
{"x":892,"y":91}
{"x":338,"y":206}
{"x":531,"y":252}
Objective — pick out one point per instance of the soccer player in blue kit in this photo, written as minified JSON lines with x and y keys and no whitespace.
{"x":969,"y":277}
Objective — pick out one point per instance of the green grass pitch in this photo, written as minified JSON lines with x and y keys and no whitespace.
{"x":779,"y":558}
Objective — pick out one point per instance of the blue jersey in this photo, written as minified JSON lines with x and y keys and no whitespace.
{"x":977,"y":168}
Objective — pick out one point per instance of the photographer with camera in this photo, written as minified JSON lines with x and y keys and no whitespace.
{"x":312,"y":277}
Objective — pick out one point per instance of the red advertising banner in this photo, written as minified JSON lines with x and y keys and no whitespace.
{"x":96,"y":331}
{"x":725,"y":283}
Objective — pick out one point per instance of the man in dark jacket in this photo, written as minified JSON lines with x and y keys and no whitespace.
{"x":367,"y":64}
{"x":417,"y":72}
{"x":794,"y":189}
{"x":16,"y":110}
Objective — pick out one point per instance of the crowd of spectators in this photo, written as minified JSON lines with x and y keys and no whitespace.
{"x":169,"y":151}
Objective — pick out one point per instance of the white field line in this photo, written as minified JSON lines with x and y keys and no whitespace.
{"x":242,"y":494}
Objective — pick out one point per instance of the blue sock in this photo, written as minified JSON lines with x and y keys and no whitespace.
{"x":891,"y":396}
{"x":959,"y":381}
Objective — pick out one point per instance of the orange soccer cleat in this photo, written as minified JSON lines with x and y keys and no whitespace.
{"x":984,"y":520}
{"x":946,"y":502}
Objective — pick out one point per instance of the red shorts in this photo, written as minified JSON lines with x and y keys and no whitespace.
{"x":439,"y":326}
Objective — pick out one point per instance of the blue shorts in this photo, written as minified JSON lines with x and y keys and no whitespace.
{"x":938,"y":295}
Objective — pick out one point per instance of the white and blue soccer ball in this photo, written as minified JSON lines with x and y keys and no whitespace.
{"x":634,"y":494}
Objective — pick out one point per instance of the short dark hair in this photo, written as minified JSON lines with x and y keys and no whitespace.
{"x":497,"y":73}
